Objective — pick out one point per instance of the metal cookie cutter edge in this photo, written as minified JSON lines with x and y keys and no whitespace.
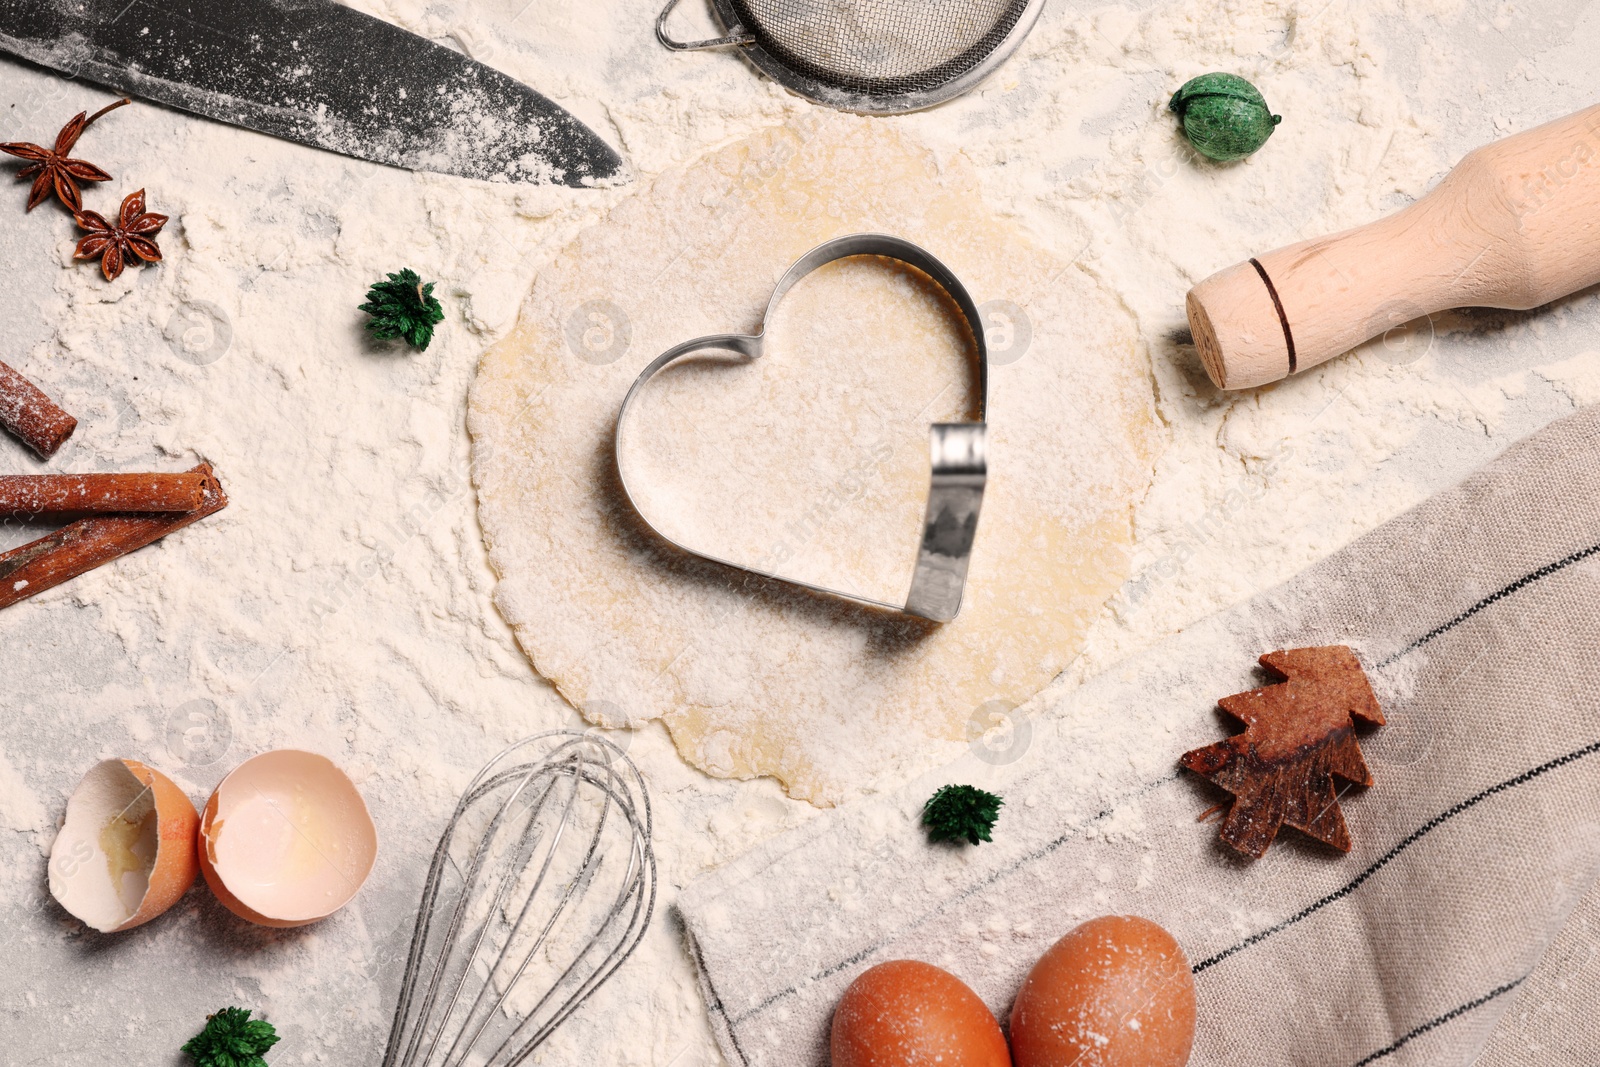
{"x":959,"y":450}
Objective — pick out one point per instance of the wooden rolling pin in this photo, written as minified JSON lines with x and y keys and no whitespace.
{"x":1515,"y":225}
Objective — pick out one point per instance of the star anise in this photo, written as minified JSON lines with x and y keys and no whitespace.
{"x":51,"y":168}
{"x":132,"y":234}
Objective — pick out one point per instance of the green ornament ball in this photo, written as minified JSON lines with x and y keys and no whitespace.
{"x":1224,"y":116}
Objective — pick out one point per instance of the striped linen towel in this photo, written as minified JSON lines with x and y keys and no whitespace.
{"x":1477,"y":616}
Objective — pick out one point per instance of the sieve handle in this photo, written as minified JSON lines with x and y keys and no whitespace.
{"x":737,"y":36}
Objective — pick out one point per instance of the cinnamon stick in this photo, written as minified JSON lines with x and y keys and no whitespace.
{"x":82,"y":546}
{"x":26,"y":496}
{"x":32,"y":416}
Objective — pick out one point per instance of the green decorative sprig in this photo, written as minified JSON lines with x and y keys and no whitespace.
{"x":403,"y":307}
{"x":232,"y":1039}
{"x":961,"y":812}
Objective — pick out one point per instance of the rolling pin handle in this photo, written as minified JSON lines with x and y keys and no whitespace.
{"x":1242,"y":337}
{"x":1515,"y":225}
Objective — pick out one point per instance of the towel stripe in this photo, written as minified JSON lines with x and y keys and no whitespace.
{"x":1499,"y":594}
{"x":1405,"y":843}
{"x":716,"y":1005}
{"x":1470,"y":1005}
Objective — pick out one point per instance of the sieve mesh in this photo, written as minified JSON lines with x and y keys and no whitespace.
{"x":881,"y":47}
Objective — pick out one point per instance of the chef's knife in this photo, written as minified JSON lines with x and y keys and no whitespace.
{"x":318,"y":72}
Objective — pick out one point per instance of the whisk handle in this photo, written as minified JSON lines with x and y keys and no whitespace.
{"x":737,"y":36}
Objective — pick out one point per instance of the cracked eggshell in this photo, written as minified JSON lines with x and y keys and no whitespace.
{"x":286,"y":839}
{"x":126,"y":852}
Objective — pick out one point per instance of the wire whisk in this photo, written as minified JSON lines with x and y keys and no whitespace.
{"x":543,"y":884}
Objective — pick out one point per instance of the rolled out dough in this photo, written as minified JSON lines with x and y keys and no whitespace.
{"x":813,"y":460}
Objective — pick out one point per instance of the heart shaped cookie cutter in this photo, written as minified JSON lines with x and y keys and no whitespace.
{"x":958,"y":449}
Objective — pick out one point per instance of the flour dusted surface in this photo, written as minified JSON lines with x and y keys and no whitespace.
{"x":342,"y":603}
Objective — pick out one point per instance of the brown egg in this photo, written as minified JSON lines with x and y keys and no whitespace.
{"x":910,"y":1014}
{"x":1115,"y":992}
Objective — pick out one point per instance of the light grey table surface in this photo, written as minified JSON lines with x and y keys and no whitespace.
{"x":68,"y":996}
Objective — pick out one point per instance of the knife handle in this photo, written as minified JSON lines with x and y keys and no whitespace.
{"x":1515,"y":225}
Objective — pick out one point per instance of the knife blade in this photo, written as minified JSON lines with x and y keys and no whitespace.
{"x":316,"y":72}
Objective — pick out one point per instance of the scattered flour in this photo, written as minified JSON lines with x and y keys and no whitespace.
{"x":1578,"y":377}
{"x":342,"y":603}
{"x":20,"y":807}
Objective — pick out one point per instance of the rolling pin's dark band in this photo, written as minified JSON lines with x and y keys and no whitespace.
{"x":1272,"y":291}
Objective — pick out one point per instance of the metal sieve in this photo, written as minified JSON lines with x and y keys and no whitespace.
{"x":875,"y":57}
